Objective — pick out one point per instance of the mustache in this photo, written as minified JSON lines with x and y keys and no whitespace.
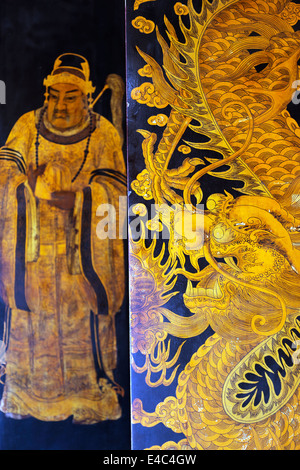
{"x":60,"y":114}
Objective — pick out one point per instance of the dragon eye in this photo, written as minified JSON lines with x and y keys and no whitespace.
{"x":218,"y":232}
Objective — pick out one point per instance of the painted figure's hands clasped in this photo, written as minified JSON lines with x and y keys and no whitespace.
{"x":62,"y":199}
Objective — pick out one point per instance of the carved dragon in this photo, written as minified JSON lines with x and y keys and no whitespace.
{"x":229,"y":81}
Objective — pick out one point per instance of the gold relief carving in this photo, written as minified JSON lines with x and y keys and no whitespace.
{"x":184,"y":149}
{"x":145,"y":71}
{"x":137,"y":3}
{"x":139,"y":209}
{"x":146,"y":94}
{"x":143,"y":25}
{"x":181,"y":9}
{"x":230,"y":88}
{"x":158,"y":120}
{"x":291,"y":13}
{"x":142,"y":185}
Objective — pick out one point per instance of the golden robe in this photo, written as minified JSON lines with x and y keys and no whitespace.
{"x":62,"y":285}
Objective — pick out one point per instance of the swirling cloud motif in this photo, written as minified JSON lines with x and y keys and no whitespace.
{"x":146,"y":94}
{"x":146,"y":71}
{"x":143,"y":25}
{"x":139,"y":209}
{"x":142,"y":186}
{"x":158,"y":120}
{"x":185,"y":149}
{"x":181,"y":9}
{"x":291,"y":13}
{"x":137,"y":3}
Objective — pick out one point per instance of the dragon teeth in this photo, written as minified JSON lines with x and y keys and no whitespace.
{"x":214,"y":293}
{"x":217,"y":291}
{"x":189,"y":289}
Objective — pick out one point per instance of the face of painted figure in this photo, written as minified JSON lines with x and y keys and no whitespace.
{"x":67,"y":106}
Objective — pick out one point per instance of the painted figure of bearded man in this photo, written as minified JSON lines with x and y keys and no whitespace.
{"x":61,"y":284}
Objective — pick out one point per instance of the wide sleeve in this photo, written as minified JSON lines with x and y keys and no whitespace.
{"x":14,"y":192}
{"x":102,"y":235}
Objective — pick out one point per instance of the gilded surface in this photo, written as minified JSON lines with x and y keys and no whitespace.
{"x":56,"y":320}
{"x":227,"y":75}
